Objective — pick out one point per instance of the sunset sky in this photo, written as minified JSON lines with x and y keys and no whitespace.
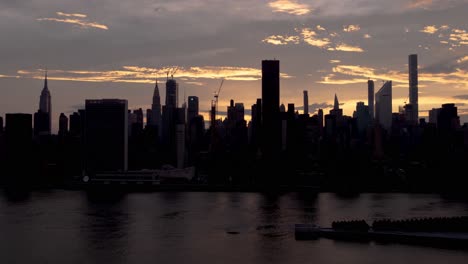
{"x":117,"y":48}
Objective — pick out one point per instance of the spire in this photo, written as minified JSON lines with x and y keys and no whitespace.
{"x":156,"y":89}
{"x":45,"y":81}
{"x":336,"y":106}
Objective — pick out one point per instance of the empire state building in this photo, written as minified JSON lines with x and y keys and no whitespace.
{"x":45,"y":103}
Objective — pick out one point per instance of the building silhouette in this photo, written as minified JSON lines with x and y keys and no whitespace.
{"x":362,"y":117}
{"x":192,"y":110}
{"x":370,"y":98}
{"x":45,"y":106}
{"x":155,"y":117}
{"x":75,"y":124}
{"x":413,"y":113}
{"x":18,"y":146}
{"x":172,"y":93}
{"x":106,"y":135}
{"x":1,"y":125}
{"x":63,"y":125}
{"x":306,"y":103}
{"x":336,"y":111}
{"x":41,"y":123}
{"x":383,"y":106}
{"x":271,"y":124}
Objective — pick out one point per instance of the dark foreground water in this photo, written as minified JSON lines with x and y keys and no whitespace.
{"x":73,"y":227}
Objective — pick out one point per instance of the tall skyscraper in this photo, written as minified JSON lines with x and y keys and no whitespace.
{"x":63,"y":124}
{"x":172,"y":93}
{"x":192,"y":110}
{"x":75,"y":124}
{"x":271,"y":122}
{"x":370,"y":98}
{"x":155,"y":119}
{"x":320,"y":117}
{"x":106,"y":135}
{"x":45,"y":104}
{"x":306,"y":103}
{"x":336,"y":111}
{"x":362,"y":117}
{"x":413,"y":87}
{"x":383,"y":105}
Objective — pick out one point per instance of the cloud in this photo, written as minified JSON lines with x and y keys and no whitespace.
{"x":420,"y":4}
{"x":71,"y":15}
{"x":335,"y":61}
{"x":367,"y":36}
{"x":429,"y":29}
{"x":461,"y":96}
{"x":459,"y":36}
{"x":281,"y":40}
{"x":75,"y":19}
{"x":351,"y":28}
{"x":137,"y":74}
{"x":448,"y":66}
{"x":290,"y":7}
{"x":352,"y":74}
{"x":319,"y":27}
{"x":310,"y":37}
{"x":346,"y":47}
{"x":315,"y":107}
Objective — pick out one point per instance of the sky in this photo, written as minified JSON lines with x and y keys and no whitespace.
{"x":118,"y":48}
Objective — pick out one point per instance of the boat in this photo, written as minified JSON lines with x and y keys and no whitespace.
{"x":167,"y":174}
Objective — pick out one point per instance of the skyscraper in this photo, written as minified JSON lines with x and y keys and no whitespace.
{"x":75,"y":124}
{"x":271,"y":126}
{"x":306,"y":103}
{"x":106,"y":135}
{"x":192,"y":110}
{"x":413,"y":87}
{"x":45,"y":104}
{"x":370,"y":98}
{"x":155,"y":119}
{"x":63,"y":124}
{"x":383,"y":105}
{"x":362,"y":117}
{"x":336,"y":111}
{"x":172,"y":93}
{"x":41,"y":123}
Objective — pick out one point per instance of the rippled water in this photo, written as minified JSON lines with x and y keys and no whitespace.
{"x":73,"y":227}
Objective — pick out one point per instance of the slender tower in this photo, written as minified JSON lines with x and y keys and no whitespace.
{"x":413,"y":86}
{"x":336,"y":105}
{"x":156,"y":107}
{"x":306,"y":103}
{"x":370,"y":98}
{"x":45,"y":102}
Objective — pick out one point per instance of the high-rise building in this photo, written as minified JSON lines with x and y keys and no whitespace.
{"x":306,"y":103}
{"x":320,"y":117}
{"x":75,"y":124}
{"x":180,"y":145}
{"x":41,"y":123}
{"x":239,"y":112}
{"x":370,"y":98}
{"x":362,"y":117}
{"x":63,"y":124}
{"x":192,"y":110}
{"x":336,"y":111}
{"x":45,"y":105}
{"x":18,"y":146}
{"x":172,"y":93}
{"x":448,"y":119}
{"x":271,"y":122}
{"x":434,"y":115}
{"x":106,"y":135}
{"x":383,"y":105}
{"x":413,"y":87}
{"x":1,"y":125}
{"x":155,"y":118}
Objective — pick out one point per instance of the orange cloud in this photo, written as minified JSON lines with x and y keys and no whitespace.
{"x":75,"y":19}
{"x":71,"y":15}
{"x":290,"y":7}
{"x":351,"y":28}
{"x":457,"y":77}
{"x":310,"y":37}
{"x":429,"y":29}
{"x":346,"y":47}
{"x":136,"y":74}
{"x":281,"y":40}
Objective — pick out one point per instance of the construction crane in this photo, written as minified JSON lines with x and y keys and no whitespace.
{"x":214,"y":105}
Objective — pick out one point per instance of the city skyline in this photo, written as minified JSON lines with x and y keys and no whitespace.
{"x":312,"y":40}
